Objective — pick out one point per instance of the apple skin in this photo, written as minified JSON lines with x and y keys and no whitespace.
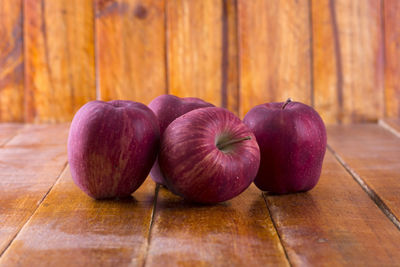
{"x":292,"y":144}
{"x":195,"y":168}
{"x":111,"y":147}
{"x":167,"y":108}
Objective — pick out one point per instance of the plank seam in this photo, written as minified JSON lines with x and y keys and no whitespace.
{"x":224,"y":54}
{"x":71,"y":88}
{"x":23,"y":52}
{"x":96,"y":62}
{"x":338,"y":56}
{"x":383,"y":36}
{"x":153,"y":212}
{"x":12,"y":137}
{"x":276,"y":230}
{"x":39,"y":203}
{"x":8,"y":141}
{"x":370,"y":192}
{"x":238,"y":57}
{"x":310,"y":19}
{"x":389,"y":128}
{"x":46,"y":48}
{"x":167,"y":89}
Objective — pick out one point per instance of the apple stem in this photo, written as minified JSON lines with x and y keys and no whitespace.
{"x":287,"y":102}
{"x":230,"y":142}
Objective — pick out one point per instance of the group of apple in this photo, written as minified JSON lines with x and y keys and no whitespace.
{"x":203,"y":153}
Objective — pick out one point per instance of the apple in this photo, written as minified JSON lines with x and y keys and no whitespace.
{"x":292,"y":140}
{"x":167,"y":108}
{"x":208,"y":155}
{"x":111,"y":147}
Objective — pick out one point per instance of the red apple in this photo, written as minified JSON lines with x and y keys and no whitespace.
{"x":167,"y":108}
{"x":292,"y":140}
{"x":208,"y":155}
{"x":111,"y":147}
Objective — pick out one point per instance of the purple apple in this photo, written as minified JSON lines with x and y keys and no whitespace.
{"x":292,"y":140}
{"x":208,"y":155}
{"x":112,"y":146}
{"x":167,"y":108}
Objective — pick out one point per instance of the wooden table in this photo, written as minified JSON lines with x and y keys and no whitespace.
{"x":350,"y":218}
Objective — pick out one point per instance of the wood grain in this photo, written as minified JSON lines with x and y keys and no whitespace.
{"x":230,"y":97}
{"x":348,"y":60}
{"x":235,"y":233}
{"x":130,"y":49}
{"x":59,"y":58}
{"x":373,"y":154}
{"x":275,"y":52}
{"x":328,"y":76}
{"x":71,"y":229}
{"x":11,"y":61}
{"x":392,"y":54}
{"x":8,"y":131}
{"x":335,"y":224}
{"x":202,"y":51}
{"x":29,"y":165}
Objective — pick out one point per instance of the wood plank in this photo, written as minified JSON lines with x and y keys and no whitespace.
{"x":238,"y":232}
{"x":130,"y":49}
{"x":392,"y":54}
{"x":59,"y":58}
{"x":71,"y":229}
{"x":11,"y":61}
{"x":348,"y":60}
{"x":335,"y":224}
{"x":8,"y":131}
{"x":391,"y":124}
{"x":29,"y":165}
{"x":328,"y":98}
{"x":373,"y":153}
{"x":230,"y":97}
{"x":202,"y":51}
{"x":275,"y":52}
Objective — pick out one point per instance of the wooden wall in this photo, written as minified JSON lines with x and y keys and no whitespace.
{"x":340,"y":56}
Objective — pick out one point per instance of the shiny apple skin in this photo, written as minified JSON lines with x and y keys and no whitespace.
{"x":167,"y":108}
{"x":195,"y":168}
{"x":292,"y":143}
{"x":112,"y":147}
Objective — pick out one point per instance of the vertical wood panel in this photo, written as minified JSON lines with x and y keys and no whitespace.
{"x":196,"y":42}
{"x":202,"y":50}
{"x":392,"y":59}
{"x":11,"y":61}
{"x":130,"y":49}
{"x":328,"y":95}
{"x":275,"y":51}
{"x":348,"y":60}
{"x":59,"y":58}
{"x":230,"y":76}
{"x":194,"y":47}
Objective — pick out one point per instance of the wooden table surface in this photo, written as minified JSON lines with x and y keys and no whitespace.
{"x":350,"y":218}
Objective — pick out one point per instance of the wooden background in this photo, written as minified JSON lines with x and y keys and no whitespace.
{"x":340,"y":56}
